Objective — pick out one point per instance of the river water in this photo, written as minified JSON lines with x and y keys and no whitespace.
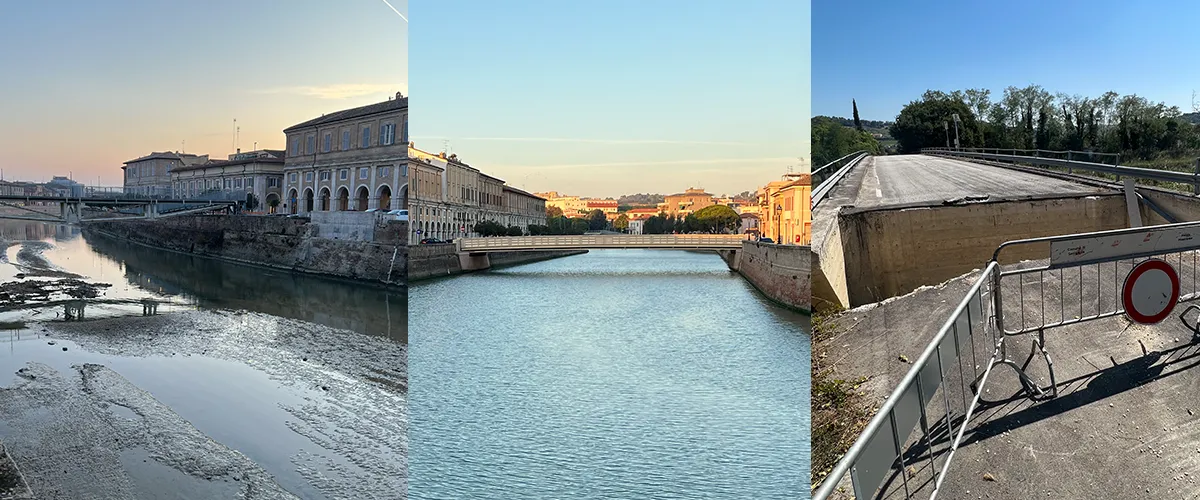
{"x":244,"y":381}
{"x":615,"y":374}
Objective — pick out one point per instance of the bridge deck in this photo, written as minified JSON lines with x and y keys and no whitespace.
{"x":113,"y":200}
{"x":665,"y":241}
{"x":929,"y":180}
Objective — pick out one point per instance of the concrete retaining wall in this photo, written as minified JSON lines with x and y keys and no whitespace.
{"x":278,"y":242}
{"x":781,"y":272}
{"x":886,"y":253}
{"x":432,"y":261}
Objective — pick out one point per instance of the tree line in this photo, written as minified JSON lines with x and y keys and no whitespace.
{"x":1035,"y":118}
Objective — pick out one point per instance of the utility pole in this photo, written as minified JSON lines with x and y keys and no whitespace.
{"x":946,"y":125}
{"x":956,"y":144}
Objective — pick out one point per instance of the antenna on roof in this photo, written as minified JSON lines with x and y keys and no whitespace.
{"x":235,"y":133}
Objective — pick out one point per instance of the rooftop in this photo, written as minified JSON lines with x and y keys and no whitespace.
{"x":166,"y":155}
{"x":275,"y":157}
{"x":522,"y":192}
{"x":400,"y":102}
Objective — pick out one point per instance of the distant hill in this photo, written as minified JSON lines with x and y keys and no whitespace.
{"x":874,"y":127}
{"x":641,"y":199}
{"x":1193,"y":118}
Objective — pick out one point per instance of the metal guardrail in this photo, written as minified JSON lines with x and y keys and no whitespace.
{"x":681,"y":241}
{"x":826,"y":177}
{"x":887,"y":446}
{"x":1192,"y":178}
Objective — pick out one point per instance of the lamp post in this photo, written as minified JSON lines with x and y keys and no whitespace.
{"x":778,"y":219}
{"x":956,"y":144}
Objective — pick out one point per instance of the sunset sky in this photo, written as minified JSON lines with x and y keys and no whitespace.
{"x":88,"y":85}
{"x":617,"y":97}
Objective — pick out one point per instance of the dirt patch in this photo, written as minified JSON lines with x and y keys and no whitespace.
{"x":12,"y":485}
{"x":839,"y":409}
{"x":16,"y":293}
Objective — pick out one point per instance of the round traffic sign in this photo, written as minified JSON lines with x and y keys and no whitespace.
{"x":1151,"y":291}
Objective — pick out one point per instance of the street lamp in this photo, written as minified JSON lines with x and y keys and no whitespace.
{"x":956,"y":145}
{"x":778,"y":219}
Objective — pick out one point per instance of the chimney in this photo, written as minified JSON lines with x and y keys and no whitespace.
{"x":239,"y":150}
{"x":398,"y":96}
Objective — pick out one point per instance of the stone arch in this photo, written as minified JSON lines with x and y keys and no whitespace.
{"x":325,"y":199}
{"x":343,"y":199}
{"x":384,"y":194}
{"x":308,"y":199}
{"x":293,"y":201}
{"x":362,"y":197}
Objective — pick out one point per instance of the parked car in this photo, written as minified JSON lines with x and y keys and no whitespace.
{"x":431,"y":241}
{"x":399,"y":214}
{"x":766,"y":240}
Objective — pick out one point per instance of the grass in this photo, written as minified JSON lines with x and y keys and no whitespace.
{"x":839,"y":410}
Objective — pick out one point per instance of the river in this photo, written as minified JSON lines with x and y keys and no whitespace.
{"x":185,"y":377}
{"x":614,"y":374}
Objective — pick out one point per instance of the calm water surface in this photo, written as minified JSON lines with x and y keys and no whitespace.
{"x":616,"y":374}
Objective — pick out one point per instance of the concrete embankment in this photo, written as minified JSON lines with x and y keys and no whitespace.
{"x":276,"y":242}
{"x":781,"y":272}
{"x":433,"y":261}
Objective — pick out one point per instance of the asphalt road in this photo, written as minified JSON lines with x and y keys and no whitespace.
{"x":919,"y":179}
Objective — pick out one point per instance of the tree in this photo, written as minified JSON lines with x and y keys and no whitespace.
{"x":578,"y":226}
{"x":515,"y":231}
{"x":273,"y":203}
{"x":596,"y":220}
{"x":553,"y":211}
{"x":622,"y":222}
{"x":857,"y":123}
{"x":717,"y":219}
{"x":490,"y":228}
{"x":923,"y":123}
{"x":251,"y":201}
{"x":832,"y":140}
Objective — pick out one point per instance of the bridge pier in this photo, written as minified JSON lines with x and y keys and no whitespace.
{"x":69,"y":211}
{"x":473,"y":261}
{"x":732,"y":258}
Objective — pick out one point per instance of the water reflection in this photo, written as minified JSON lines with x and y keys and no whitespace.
{"x":363,"y":308}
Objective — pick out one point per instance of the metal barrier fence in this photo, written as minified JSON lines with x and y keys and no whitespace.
{"x":1081,"y":280}
{"x":1041,"y":158}
{"x":826,"y":177}
{"x":890,"y":454}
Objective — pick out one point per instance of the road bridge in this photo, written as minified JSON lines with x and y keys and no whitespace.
{"x":473,"y":251}
{"x":72,"y":210}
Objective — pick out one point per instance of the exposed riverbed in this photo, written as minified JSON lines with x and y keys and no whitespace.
{"x":130,"y":372}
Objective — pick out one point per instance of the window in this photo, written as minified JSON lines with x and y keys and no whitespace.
{"x":387,"y":134}
{"x":363,"y":173}
{"x":237,"y":183}
{"x":366,"y":137}
{"x":309,"y":145}
{"x":404,"y":133}
{"x":308,"y":177}
{"x":325,"y":175}
{"x":384,"y":172}
{"x":228,"y":184}
{"x":344,"y":174}
{"x":249,"y":183}
{"x":296,"y":146}
{"x":404,"y":170}
{"x":345,"y":140}
{"x":272,"y":182}
{"x":292,"y":177}
{"x":327,"y":142}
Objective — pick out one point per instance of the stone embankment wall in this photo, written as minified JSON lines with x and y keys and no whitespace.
{"x":432,"y":261}
{"x":278,"y":242}
{"x":781,"y":272}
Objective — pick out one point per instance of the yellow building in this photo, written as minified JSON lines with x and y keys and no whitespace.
{"x":785,"y":210}
{"x":690,"y":201}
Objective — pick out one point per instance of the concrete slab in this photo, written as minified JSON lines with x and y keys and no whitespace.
{"x":928,"y":180}
{"x":1126,"y":422}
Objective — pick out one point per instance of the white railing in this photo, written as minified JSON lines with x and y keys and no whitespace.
{"x":681,"y":241}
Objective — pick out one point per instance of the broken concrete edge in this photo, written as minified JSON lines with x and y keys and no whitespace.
{"x":504,"y":263}
{"x":261,"y":265}
{"x":8,"y":467}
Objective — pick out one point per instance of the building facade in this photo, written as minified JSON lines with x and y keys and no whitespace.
{"x":571,"y":206}
{"x":682,"y":204}
{"x":354,"y":159}
{"x":150,"y":175}
{"x":257,"y":173}
{"x":785,"y":211}
{"x":522,"y":209}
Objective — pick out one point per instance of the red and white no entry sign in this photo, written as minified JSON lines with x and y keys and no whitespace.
{"x":1151,"y":291}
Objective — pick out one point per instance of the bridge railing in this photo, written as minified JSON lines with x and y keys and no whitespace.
{"x":924,"y":418}
{"x":826,"y":177}
{"x":1069,"y":161}
{"x":500,"y":243}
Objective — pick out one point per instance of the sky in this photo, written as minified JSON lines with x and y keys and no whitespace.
{"x":604,"y":98}
{"x":89,"y":85}
{"x":885,"y":54}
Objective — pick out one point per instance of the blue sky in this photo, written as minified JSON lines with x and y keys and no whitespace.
{"x":88,"y":85}
{"x":886,"y":54}
{"x":603,"y":98}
